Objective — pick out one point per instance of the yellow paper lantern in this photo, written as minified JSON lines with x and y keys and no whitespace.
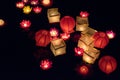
{"x":53,"y":15}
{"x":58,"y":47}
{"x":81,"y":23}
{"x":2,"y":22}
{"x":91,"y":55}
{"x":27,"y":9}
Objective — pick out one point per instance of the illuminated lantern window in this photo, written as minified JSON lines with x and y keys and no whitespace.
{"x":2,"y":22}
{"x":58,"y":47}
{"x":20,"y":4}
{"x":81,"y":23}
{"x":53,"y":15}
{"x":67,"y":24}
{"x":25,"y":1}
{"x":27,"y":9}
{"x":110,"y":34}
{"x":42,"y":38}
{"x":54,"y":32}
{"x":46,"y":64}
{"x":25,"y":24}
{"x":107,"y":64}
{"x":83,"y":70}
{"x":84,"y":14}
{"x":78,"y":51}
{"x":37,"y":9}
{"x":100,"y":39}
{"x":47,"y":3}
{"x":34,"y":2}
{"x":91,"y":55}
{"x":65,"y":36}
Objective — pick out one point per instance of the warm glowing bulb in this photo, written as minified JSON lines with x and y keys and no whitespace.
{"x":27,"y":9}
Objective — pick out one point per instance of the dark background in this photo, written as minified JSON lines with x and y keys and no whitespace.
{"x":18,"y":50}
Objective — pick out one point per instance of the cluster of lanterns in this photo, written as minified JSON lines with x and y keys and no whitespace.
{"x":90,"y":41}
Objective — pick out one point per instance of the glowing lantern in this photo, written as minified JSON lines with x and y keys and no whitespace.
{"x":84,"y":14}
{"x":100,"y":39}
{"x":42,"y":38}
{"x":25,"y":24}
{"x":37,"y":9}
{"x":53,"y":15}
{"x":83,"y":70}
{"x":81,"y":23}
{"x":46,"y":64}
{"x":67,"y":23}
{"x":46,"y":3}
{"x":110,"y":34}
{"x":20,"y":4}
{"x":65,"y":36}
{"x":78,"y":51}
{"x":107,"y":64}
{"x":58,"y":47}
{"x":34,"y":2}
{"x":91,"y":55}
{"x":25,"y":1}
{"x":27,"y":9}
{"x":2,"y":22}
{"x":54,"y":32}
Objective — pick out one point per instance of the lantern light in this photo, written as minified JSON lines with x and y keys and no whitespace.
{"x":37,"y":9}
{"x":65,"y":36}
{"x":46,"y":64}
{"x":2,"y":22}
{"x":54,"y":32}
{"x":79,"y":51}
{"x":27,"y":9}
{"x":84,"y":14}
{"x":110,"y":34}
{"x":25,"y":1}
{"x":25,"y":24}
{"x":46,"y":3}
{"x":83,"y":70}
{"x":20,"y":4}
{"x":34,"y":2}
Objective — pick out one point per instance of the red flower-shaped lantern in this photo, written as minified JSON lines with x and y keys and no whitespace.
{"x":65,"y":36}
{"x":46,"y":64}
{"x":110,"y":34}
{"x":84,"y":14}
{"x":107,"y":64}
{"x":20,"y":4}
{"x":67,"y":23}
{"x":34,"y":2}
{"x":79,"y":51}
{"x":83,"y":70}
{"x":25,"y":1}
{"x":25,"y":24}
{"x":100,"y":39}
{"x":37,"y":9}
{"x":54,"y":32}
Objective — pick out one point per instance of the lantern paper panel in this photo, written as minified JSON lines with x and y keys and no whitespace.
{"x":83,"y":45}
{"x":89,"y":31}
{"x":81,"y":23}
{"x":91,"y":55}
{"x":58,"y":47}
{"x":53,"y":15}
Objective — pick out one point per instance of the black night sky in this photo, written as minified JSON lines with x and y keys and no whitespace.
{"x":18,"y":58}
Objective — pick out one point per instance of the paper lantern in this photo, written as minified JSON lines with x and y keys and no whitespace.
{"x":54,"y":32}
{"x":107,"y":64}
{"x":53,"y":15}
{"x":110,"y":34}
{"x":42,"y":38}
{"x":46,"y":3}
{"x":67,"y":24}
{"x":58,"y":47}
{"x":65,"y":36}
{"x":83,"y":70}
{"x":34,"y":2}
{"x":27,"y":9}
{"x":84,"y":14}
{"x":46,"y":64}
{"x":78,"y":51}
{"x":91,"y":55}
{"x":81,"y":23}
{"x":25,"y":24}
{"x":25,"y":1}
{"x":100,"y":40}
{"x":20,"y":4}
{"x":37,"y":9}
{"x":2,"y":22}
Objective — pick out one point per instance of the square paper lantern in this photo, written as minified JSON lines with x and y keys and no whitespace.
{"x":91,"y":55}
{"x":81,"y":23}
{"x":89,"y":31}
{"x":58,"y":47}
{"x":53,"y":15}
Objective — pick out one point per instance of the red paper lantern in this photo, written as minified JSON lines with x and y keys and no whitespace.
{"x":83,"y":70}
{"x":46,"y":64}
{"x":65,"y":36}
{"x":34,"y":2}
{"x":20,"y":4}
{"x":42,"y":38}
{"x":107,"y":64}
{"x":54,"y":32}
{"x":25,"y":1}
{"x":110,"y":34}
{"x":79,"y":51}
{"x":100,"y":39}
{"x":47,"y":3}
{"x":25,"y":24}
{"x":84,"y":14}
{"x":37,"y":9}
{"x":67,"y":23}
